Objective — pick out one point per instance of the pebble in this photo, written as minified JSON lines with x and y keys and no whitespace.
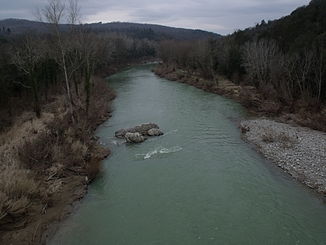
{"x":306,"y":156}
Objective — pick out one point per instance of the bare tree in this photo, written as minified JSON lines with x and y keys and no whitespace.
{"x":301,"y":67}
{"x":54,"y":13}
{"x":27,"y":58}
{"x":258,"y":57}
{"x":319,"y":68}
{"x":73,"y":15}
{"x":90,"y":46}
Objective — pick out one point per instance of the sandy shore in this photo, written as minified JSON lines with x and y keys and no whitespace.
{"x":299,"y":151}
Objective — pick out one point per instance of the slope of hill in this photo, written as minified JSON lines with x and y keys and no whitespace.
{"x":301,"y":29}
{"x":149,"y":31}
{"x":283,"y":60}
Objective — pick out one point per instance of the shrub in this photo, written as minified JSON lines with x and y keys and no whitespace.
{"x":37,"y":153}
{"x":244,"y":129}
{"x":268,"y":136}
{"x":18,"y":188}
{"x":287,"y":141}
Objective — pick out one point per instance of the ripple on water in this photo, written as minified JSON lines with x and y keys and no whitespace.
{"x":159,"y":152}
{"x":214,"y":137}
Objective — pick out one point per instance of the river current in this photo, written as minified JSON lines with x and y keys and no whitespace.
{"x":198,"y":184}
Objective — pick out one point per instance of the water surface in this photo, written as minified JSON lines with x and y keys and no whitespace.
{"x":197,"y":184}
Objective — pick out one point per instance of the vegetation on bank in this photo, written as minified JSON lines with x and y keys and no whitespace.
{"x":51,"y":101}
{"x":41,"y":158}
{"x":31,"y":65}
{"x":285,"y":60}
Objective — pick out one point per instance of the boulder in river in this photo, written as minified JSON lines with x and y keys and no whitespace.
{"x":120,"y":133}
{"x":139,"y":133}
{"x":134,"y":137}
{"x":154,"y":132}
{"x":142,"y":129}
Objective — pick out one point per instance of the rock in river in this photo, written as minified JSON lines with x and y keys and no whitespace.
{"x":142,"y":129}
{"x":138,"y":134}
{"x":120,"y":133}
{"x":154,"y":132}
{"x":134,"y":138}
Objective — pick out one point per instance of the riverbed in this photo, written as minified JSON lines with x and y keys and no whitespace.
{"x":197,"y":184}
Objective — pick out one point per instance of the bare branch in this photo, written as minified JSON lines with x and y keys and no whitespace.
{"x":22,"y":84}
{"x":73,"y":15}
{"x":54,"y":11}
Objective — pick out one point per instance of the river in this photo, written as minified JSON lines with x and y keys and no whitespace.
{"x":197,"y":184}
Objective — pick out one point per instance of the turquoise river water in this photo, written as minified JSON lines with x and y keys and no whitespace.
{"x":197,"y":184}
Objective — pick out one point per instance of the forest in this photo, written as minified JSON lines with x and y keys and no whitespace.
{"x":34,"y":65}
{"x":284,"y":59}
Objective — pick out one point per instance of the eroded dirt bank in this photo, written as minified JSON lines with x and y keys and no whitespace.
{"x":47,"y":163}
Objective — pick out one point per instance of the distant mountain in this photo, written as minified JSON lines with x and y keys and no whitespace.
{"x":149,"y":31}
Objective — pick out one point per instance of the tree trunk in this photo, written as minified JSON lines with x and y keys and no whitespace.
{"x":87,"y":86}
{"x":37,"y":108}
{"x":76,"y":85}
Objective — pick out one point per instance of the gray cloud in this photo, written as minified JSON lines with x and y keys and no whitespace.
{"x":214,"y":15}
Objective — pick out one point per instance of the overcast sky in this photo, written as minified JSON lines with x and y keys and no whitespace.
{"x":221,"y":16}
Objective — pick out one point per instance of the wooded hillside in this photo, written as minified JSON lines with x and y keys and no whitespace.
{"x":285,"y":58}
{"x":133,"y":30}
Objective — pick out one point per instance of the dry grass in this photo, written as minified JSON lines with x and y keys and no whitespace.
{"x":18,"y":184}
{"x":18,"y":188}
{"x":36,"y":154}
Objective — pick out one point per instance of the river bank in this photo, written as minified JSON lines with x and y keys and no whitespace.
{"x":299,"y":151}
{"x":47,"y":164}
{"x":297,"y":113}
{"x":75,"y":160}
{"x":287,"y":138}
{"x":198,"y":184}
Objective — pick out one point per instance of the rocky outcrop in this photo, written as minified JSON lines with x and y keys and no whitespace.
{"x":134,"y":138}
{"x":121,"y":133}
{"x":155,"y":132}
{"x":139,"y":133}
{"x":144,"y":128}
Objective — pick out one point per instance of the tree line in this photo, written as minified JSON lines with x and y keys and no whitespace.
{"x":4,"y":30}
{"x":32,"y":65}
{"x":285,"y":59}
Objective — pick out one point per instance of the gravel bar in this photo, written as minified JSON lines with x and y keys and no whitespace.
{"x":299,"y":151}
